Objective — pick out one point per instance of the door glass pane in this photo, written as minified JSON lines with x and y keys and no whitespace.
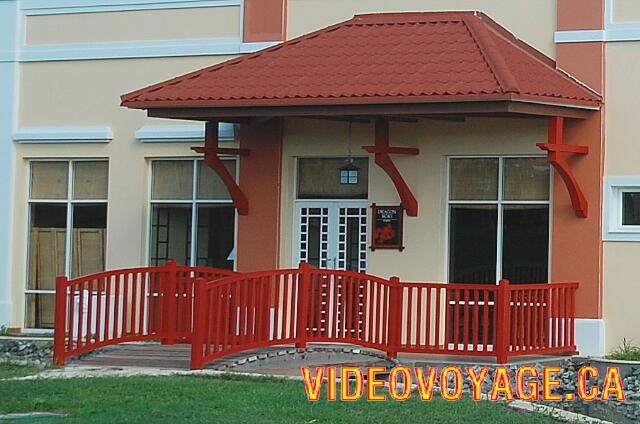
{"x":49,"y":180}
{"x":313,"y":242}
{"x":631,"y":208}
{"x":47,"y":245}
{"x":215,"y":235}
{"x":526,"y":179}
{"x":319,"y":178}
{"x":90,"y":180}
{"x":525,"y":251}
{"x":352,"y":239}
{"x":172,"y":180}
{"x":472,"y":243}
{"x":40,"y":310}
{"x":210,"y":186}
{"x":89,"y":239}
{"x":170,"y":234}
{"x":474,"y":179}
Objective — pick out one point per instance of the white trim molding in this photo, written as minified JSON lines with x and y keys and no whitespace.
{"x":613,"y":30}
{"x":136,"y":49}
{"x":590,"y":336}
{"x":612,"y":228}
{"x":36,"y":135}
{"x":130,"y":49}
{"x":185,"y":133}
{"x":51,"y":7}
{"x":8,"y":105}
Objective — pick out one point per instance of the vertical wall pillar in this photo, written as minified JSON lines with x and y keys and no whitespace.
{"x":577,"y":242}
{"x":265,"y":20}
{"x":8,"y":106}
{"x":260,"y":180}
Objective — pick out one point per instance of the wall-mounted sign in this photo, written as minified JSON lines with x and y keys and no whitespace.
{"x":387,"y":227}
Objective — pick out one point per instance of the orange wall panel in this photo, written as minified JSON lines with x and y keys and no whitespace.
{"x":580,"y":14}
{"x":577,"y":242}
{"x":260,"y":180}
{"x":265,"y":20}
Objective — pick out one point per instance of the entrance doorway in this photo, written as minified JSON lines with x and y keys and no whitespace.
{"x":330,"y":213}
{"x":331,"y":234}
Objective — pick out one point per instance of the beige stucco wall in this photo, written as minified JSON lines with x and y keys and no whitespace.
{"x":165,"y":24}
{"x":626,"y":10}
{"x":532,"y":21}
{"x":86,"y":93}
{"x":621,"y":284}
{"x":424,"y":258}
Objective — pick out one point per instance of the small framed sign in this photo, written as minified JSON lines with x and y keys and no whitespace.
{"x":387,"y":227}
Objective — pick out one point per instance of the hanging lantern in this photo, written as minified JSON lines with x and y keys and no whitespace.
{"x":349,"y":172}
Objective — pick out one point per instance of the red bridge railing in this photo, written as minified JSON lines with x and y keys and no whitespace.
{"x":133,"y":304}
{"x":304,"y":305}
{"x":220,"y":312}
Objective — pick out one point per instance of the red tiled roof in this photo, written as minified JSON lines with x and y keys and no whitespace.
{"x":379,"y":58}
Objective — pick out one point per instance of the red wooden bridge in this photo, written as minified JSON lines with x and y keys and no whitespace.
{"x":221,"y":313}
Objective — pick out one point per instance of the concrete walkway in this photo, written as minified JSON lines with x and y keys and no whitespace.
{"x":277,"y":360}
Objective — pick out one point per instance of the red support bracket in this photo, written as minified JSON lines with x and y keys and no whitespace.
{"x":211,"y":150}
{"x":555,"y":147}
{"x":382,"y":152}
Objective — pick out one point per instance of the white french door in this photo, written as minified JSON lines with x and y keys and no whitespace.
{"x":331,"y":234}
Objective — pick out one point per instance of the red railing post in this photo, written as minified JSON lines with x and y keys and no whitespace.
{"x":502,"y":322}
{"x":199,"y":324}
{"x":394,"y":330}
{"x":304,"y":285}
{"x":169,"y":294}
{"x":60,"y":324}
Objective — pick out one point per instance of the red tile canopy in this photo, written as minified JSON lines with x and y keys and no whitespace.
{"x":377,"y":59}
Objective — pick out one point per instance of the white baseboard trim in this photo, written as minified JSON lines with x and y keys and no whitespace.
{"x":590,"y":335}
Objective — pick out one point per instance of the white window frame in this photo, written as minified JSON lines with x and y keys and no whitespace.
{"x":612,"y":228}
{"x":500,"y":202}
{"x":194,"y":202}
{"x":69,"y":202}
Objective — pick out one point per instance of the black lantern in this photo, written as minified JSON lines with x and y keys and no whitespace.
{"x":349,"y":173}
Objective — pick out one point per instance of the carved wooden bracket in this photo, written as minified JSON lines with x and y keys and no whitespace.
{"x":555,"y":148}
{"x":382,"y":152}
{"x":211,"y":151}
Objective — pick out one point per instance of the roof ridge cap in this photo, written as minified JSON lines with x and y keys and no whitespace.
{"x":494,"y":59}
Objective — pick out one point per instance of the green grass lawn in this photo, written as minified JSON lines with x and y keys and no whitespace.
{"x":229,"y":399}
{"x":8,"y":370}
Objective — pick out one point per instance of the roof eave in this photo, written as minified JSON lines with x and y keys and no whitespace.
{"x":508,"y":106}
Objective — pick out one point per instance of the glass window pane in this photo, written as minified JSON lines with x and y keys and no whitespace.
{"x":172,"y":180}
{"x":89,"y":239}
{"x":474,"y":179}
{"x":47,"y":245}
{"x":170,"y":234}
{"x":525,"y":246}
{"x":631,"y":208}
{"x":319,"y":178}
{"x":313,"y":242}
{"x":526,"y":179}
{"x":215,"y":235}
{"x":49,"y":180}
{"x":472,"y":243}
{"x":40,"y":310}
{"x":90,"y":180}
{"x":210,"y":186}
